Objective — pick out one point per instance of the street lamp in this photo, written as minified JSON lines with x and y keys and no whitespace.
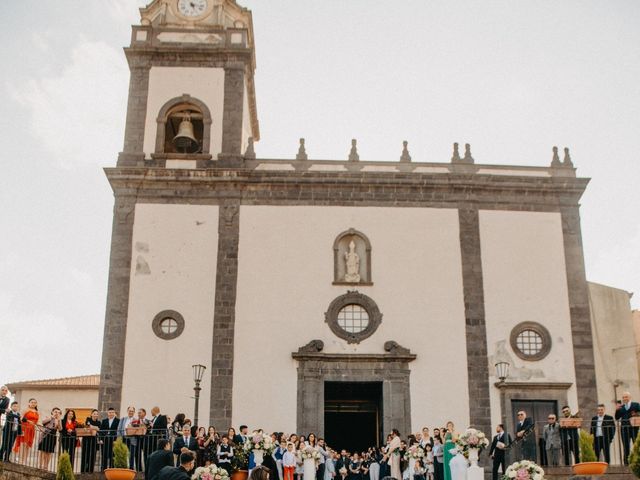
{"x":198,"y":372}
{"x":502,"y":372}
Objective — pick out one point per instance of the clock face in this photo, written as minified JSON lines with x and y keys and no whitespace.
{"x":192,"y":8}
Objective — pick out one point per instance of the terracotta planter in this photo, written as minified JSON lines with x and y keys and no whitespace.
{"x":590,"y":468}
{"x":240,"y":475}
{"x":119,"y":474}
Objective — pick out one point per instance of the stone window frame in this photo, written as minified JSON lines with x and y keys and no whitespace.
{"x":163,"y":117}
{"x":353,"y":298}
{"x":336,"y":258}
{"x":155,"y":324}
{"x":537,"y":328}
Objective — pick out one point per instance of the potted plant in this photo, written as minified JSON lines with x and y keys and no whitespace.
{"x":65,"y":470}
{"x":239,"y":464}
{"x":121,"y":470}
{"x":634,"y":458}
{"x":588,"y":465}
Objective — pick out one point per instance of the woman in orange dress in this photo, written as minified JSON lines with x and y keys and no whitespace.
{"x":24,"y":442}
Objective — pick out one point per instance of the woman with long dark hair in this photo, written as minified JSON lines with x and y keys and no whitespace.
{"x":50,"y":427}
{"x":68,"y":434}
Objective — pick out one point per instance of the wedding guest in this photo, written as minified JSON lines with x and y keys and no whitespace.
{"x":108,"y":434}
{"x":323,"y":458}
{"x":289,"y":462}
{"x":355,"y":467}
{"x":426,"y":438}
{"x":624,"y":411}
{"x":157,"y":428}
{"x":90,"y":444}
{"x":603,"y":428}
{"x":143,"y":448}
{"x":342,"y":464}
{"x":374,"y":464}
{"x":51,"y":426}
{"x":551,"y":436}
{"x":525,"y":436}
{"x":201,"y":437}
{"x":68,"y":434}
{"x":497,"y":450}
{"x":211,"y":447}
{"x":241,"y":437}
{"x":569,"y":437}
{"x":225,"y":454}
{"x":419,"y":471}
{"x":438,"y":458}
{"x":278,"y":453}
{"x":231,"y":434}
{"x":163,"y":457}
{"x":186,"y":461}
{"x":4,"y":402}
{"x":330,"y":465}
{"x":176,"y":426}
{"x":428,"y":455}
{"x":185,"y":443}
{"x":130,"y":441}
{"x":12,"y":428}
{"x":24,"y":442}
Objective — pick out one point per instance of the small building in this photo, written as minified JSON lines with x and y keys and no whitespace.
{"x":79,"y":393}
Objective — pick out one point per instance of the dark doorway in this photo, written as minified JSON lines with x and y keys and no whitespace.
{"x":538,"y":410}
{"x":352,"y":415}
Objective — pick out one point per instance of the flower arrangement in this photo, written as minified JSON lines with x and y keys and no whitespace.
{"x":259,"y":441}
{"x":415,"y":452}
{"x":524,"y":470}
{"x":472,"y":438}
{"x":310,"y":453}
{"x":210,"y":473}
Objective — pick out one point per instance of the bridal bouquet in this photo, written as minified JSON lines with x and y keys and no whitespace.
{"x":308,"y":453}
{"x":524,"y":470}
{"x":472,"y":438}
{"x":210,"y":473}
{"x":415,"y":451}
{"x":259,"y":441}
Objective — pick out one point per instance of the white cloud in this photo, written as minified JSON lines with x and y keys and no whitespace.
{"x":73,"y":113}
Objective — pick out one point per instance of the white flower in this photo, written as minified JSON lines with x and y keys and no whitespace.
{"x":511,"y":474}
{"x":537,"y":476}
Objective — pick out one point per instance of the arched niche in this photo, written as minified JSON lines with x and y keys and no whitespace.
{"x":169,"y":117}
{"x":352,"y":259}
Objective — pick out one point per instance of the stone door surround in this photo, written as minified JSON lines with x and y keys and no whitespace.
{"x":316,"y":367}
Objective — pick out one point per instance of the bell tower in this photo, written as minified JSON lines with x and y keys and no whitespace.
{"x":191,"y":94}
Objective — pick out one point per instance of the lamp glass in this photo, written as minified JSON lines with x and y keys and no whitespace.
{"x":502,"y":370}
{"x":198,"y":372}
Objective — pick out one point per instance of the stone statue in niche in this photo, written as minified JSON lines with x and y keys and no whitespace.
{"x":352,"y":263}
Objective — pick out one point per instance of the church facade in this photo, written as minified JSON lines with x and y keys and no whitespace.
{"x":380,"y":294}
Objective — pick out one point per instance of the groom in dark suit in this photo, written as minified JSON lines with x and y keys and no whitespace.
{"x":497,"y":451}
{"x":524,"y":435}
{"x":624,"y":412}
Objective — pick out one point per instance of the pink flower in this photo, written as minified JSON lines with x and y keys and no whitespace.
{"x":522,"y":474}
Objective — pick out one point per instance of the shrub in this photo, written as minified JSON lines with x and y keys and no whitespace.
{"x":65,"y":470}
{"x":240,"y":459}
{"x":120,"y":454}
{"x":634,"y":458}
{"x":586,"y":447}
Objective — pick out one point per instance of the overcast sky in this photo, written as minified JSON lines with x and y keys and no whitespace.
{"x":513,"y":78}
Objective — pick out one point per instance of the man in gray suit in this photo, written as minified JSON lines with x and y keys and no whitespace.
{"x":551,"y":435}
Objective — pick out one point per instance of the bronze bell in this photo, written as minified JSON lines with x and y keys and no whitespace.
{"x":185,"y":141}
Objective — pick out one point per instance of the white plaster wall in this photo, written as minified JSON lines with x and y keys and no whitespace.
{"x":179,"y":245}
{"x":524,"y":276}
{"x":285,"y":276}
{"x":614,"y":343}
{"x":205,"y":84}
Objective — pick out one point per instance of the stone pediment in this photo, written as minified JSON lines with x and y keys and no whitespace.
{"x":217,"y":13}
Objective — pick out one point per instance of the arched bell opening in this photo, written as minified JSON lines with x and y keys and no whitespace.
{"x":184,"y":127}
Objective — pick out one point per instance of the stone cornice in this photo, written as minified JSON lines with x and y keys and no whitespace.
{"x":533,"y":385}
{"x":443,"y":190}
{"x":353,"y":357}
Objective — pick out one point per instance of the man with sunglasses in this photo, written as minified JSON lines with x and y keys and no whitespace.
{"x":527,"y":441}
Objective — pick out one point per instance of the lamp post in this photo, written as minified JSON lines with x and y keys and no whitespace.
{"x":198,"y":372}
{"x":502,"y":372}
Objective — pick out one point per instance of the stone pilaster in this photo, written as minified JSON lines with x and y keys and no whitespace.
{"x":475,"y":325}
{"x":232,"y":113}
{"x":133,"y":152}
{"x":579,"y":310}
{"x":225,"y":314}
{"x":115,"y":324}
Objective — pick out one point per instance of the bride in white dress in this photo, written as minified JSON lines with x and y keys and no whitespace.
{"x":310,"y":455}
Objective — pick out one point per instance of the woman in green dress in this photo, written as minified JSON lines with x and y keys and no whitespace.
{"x":449,"y":444}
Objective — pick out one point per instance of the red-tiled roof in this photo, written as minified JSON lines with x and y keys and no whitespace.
{"x":81,"y":382}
